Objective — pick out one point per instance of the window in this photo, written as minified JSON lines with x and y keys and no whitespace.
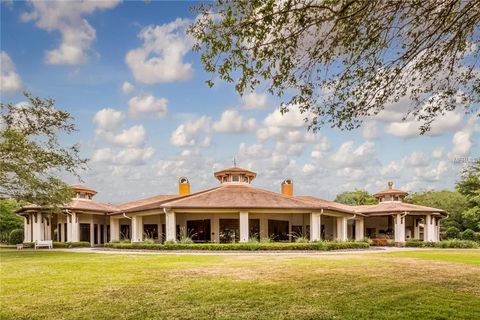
{"x":278,"y":230}
{"x":245,"y":179}
{"x":254,"y":229}
{"x":95,"y":233}
{"x":225,"y":179}
{"x":82,"y":195}
{"x":124,"y":231}
{"x":229,"y":230}
{"x":102,"y":235}
{"x":85,"y":232}
{"x":199,"y":230}
{"x":150,"y":231}
{"x":395,"y":198}
{"x":65,"y":232}
{"x":235,"y":178}
{"x":59,"y":232}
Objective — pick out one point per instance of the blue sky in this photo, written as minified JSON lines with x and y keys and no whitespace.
{"x":145,"y":116}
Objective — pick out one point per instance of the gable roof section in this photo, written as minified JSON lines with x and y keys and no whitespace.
{"x":146,"y":201}
{"x":387,"y":207}
{"x":326,"y":204}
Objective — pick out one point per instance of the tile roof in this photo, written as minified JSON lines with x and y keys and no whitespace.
{"x":144,"y":204}
{"x":83,"y":188}
{"x":326,"y":204}
{"x":241,"y":196}
{"x":393,"y":206}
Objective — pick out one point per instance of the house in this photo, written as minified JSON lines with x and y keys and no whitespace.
{"x":235,"y":210}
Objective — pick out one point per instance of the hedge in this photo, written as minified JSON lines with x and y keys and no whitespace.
{"x":81,"y":244}
{"x":275,"y":246}
{"x":15,"y":236}
{"x":455,"y":243}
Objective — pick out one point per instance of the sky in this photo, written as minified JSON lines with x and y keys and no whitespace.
{"x":145,"y":117}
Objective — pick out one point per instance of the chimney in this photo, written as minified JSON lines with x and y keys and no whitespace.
{"x":287,"y":187}
{"x":390,"y":184}
{"x":183,"y":186}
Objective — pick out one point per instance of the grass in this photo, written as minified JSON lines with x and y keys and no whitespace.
{"x":424,"y":284}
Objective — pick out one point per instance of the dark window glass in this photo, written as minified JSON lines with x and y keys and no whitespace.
{"x":150,"y":231}
{"x":102,"y":235}
{"x":59,"y":231}
{"x":229,"y":230}
{"x":199,"y":230}
{"x":235,"y":179}
{"x":108,"y":233}
{"x":85,"y":232}
{"x":297,"y":231}
{"x":254,"y":228}
{"x":65,"y":231}
{"x":95,"y":233}
{"x":124,"y":231}
{"x":278,"y":230}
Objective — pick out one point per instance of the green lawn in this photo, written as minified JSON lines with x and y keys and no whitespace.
{"x":436,"y":284}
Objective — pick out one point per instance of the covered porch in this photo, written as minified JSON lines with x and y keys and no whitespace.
{"x":226,"y":226}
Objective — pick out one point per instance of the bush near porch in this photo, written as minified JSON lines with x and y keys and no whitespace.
{"x":81,"y":244}
{"x":276,"y":246}
{"x":454,"y":243}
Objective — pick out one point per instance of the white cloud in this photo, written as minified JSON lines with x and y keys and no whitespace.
{"x":9,"y":79}
{"x":232,"y":121}
{"x":160,"y":58}
{"x":67,"y":18}
{"x":438,"y":153}
{"x":142,"y":105}
{"x":417,"y":159}
{"x":370,"y":131}
{"x":132,"y":137}
{"x":308,"y":168}
{"x":462,"y":143}
{"x":108,"y":119}
{"x":127,"y":87}
{"x":193,"y":133}
{"x":392,"y":170}
{"x":102,"y":155}
{"x":349,"y":156}
{"x":134,"y":156}
{"x":254,"y":100}
{"x":291,"y":119}
{"x":432,"y":173}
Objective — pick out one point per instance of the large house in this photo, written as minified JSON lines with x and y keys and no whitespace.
{"x":233,"y":211}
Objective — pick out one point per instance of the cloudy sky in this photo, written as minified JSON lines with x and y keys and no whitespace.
{"x":145,"y":116}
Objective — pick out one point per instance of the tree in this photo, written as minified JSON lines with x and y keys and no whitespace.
{"x":469,"y":186}
{"x":355,"y":198}
{"x":9,"y":221}
{"x":340,"y":62}
{"x":454,"y":203}
{"x":31,"y":156}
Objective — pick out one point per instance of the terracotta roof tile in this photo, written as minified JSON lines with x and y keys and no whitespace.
{"x":241,"y":196}
{"x":386,"y":207}
{"x":326,"y":204}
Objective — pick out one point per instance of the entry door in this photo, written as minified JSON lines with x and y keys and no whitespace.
{"x":199,"y":230}
{"x":85,"y":232}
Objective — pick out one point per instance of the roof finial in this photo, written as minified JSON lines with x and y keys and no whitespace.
{"x":234,"y":162}
{"x":390,"y":184}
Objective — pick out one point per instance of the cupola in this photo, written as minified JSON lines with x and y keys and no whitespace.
{"x":390,"y":194}
{"x":235,"y":175}
{"x":83,"y":192}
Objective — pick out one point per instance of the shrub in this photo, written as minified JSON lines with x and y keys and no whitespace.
{"x":468,"y":235}
{"x":15,"y":236}
{"x":452,"y":233}
{"x":454,"y":243}
{"x":275,"y":246}
{"x":81,"y":244}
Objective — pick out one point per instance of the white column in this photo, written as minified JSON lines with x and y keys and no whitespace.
{"x":69,"y":227}
{"x":416,"y":228}
{"x":315,"y":226}
{"x":244,"y":226}
{"x":215,"y":226}
{"x":47,"y":228}
{"x":37,"y":226}
{"x":114,"y":229}
{"x":341,"y":228}
{"x":359,"y":229}
{"x":27,"y":224}
{"x":399,"y":228}
{"x":137,"y":229}
{"x":437,"y":229}
{"x":429,"y":230}
{"x":75,"y":228}
{"x":263,"y":227}
{"x":171,"y":226}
